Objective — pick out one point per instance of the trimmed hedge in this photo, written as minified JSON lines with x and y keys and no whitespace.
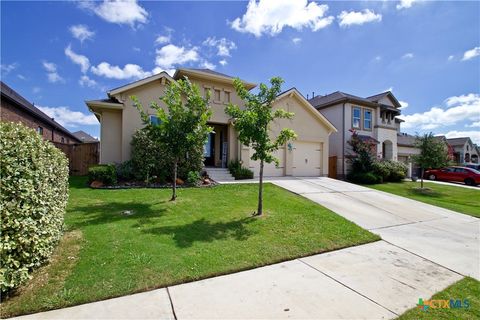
{"x":34,"y":194}
{"x":364,"y":178}
{"x":105,"y":173}
{"x":389,"y":170}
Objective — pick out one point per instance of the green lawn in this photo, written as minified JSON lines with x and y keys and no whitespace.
{"x":466,"y":288}
{"x":207,"y":232}
{"x":458,"y":199}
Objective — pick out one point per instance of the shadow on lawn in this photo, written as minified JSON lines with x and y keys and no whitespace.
{"x":205,"y":231}
{"x":109,"y":212}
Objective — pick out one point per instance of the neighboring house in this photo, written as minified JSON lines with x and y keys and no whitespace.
{"x":373,"y":118}
{"x":405,"y":150}
{"x":306,"y":156}
{"x":85,"y":137}
{"x":15,"y":108}
{"x":464,"y":151}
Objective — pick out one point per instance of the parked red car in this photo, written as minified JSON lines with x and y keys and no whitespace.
{"x":469,"y":176}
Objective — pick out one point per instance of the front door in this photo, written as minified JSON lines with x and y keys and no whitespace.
{"x":209,"y":150}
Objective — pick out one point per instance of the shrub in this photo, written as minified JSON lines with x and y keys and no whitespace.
{"x":239,"y":172}
{"x":389,"y":170}
{"x":105,"y":173}
{"x":125,"y":171}
{"x":33,"y":194}
{"x":148,"y":159}
{"x":364,"y":177}
{"x":193,"y":178}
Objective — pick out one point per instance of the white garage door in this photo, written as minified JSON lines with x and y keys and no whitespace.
{"x":307,"y":159}
{"x":269,"y":169}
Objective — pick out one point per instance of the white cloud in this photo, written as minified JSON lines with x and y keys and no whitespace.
{"x":296,"y":40}
{"x":21,"y":77}
{"x":171,"y":55}
{"x":157,"y":70}
{"x":129,"y":71}
{"x":473,"y":125}
{"x":405,"y":4}
{"x":223,"y":62}
{"x":52,"y":73}
{"x":85,"y":81}
{"x":458,"y":109}
{"x":388,"y":89}
{"x":408,"y":55}
{"x":358,"y":17}
{"x":470,"y":54}
{"x":163,"y":39}
{"x":136,"y":49}
{"x":81,"y":32}
{"x":7,"y":68}
{"x":450,"y":58}
{"x":207,"y":65}
{"x":82,"y":61}
{"x":271,"y":16}
{"x":222,"y":45}
{"x":403,"y":104}
{"x":117,"y":11}
{"x":377,"y":59}
{"x":69,"y":118}
{"x":36,"y":89}
{"x":474,"y":135}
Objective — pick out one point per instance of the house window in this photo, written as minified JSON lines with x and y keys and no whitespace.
{"x":154,"y":120}
{"x":227,"y":96}
{"x":207,"y":92}
{"x":40,"y":131}
{"x":356,"y":117}
{"x":63,"y":140}
{"x":217,"y":95}
{"x":367,"y":119}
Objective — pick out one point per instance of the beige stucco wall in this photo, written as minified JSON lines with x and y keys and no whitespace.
{"x":387,"y":135}
{"x":131,"y":120}
{"x":111,"y":137}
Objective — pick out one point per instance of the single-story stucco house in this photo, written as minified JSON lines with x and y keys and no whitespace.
{"x":306,"y":156}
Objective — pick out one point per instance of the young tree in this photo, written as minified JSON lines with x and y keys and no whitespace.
{"x":433,"y":153}
{"x":252,"y":124}
{"x":363,"y":156}
{"x":183,"y":126}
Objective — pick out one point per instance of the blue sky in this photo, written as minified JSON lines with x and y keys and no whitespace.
{"x":58,"y":54}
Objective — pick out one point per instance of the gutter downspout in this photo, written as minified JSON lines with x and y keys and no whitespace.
{"x":343,"y":141}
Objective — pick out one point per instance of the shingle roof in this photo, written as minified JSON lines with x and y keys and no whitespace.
{"x":405,"y":139}
{"x":84,"y":137}
{"x":210,"y":72}
{"x":10,"y":94}
{"x":320,"y":101}
{"x":457,"y":141}
{"x":379,"y":96}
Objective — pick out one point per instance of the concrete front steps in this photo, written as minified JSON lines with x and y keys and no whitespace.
{"x":219,"y":174}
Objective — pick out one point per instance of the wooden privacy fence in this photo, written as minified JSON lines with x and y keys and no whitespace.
{"x":332,"y":167}
{"x":80,"y":156}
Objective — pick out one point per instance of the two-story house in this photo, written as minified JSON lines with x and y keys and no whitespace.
{"x":306,"y":156}
{"x":464,"y":151}
{"x":373,"y":118}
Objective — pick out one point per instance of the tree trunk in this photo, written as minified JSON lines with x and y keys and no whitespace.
{"x":174,"y":186}
{"x":260,"y":191}
{"x":421,"y":180}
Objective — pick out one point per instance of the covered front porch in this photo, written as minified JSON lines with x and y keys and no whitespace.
{"x":220,"y":147}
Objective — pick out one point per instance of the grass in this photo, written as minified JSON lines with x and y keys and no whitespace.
{"x":458,"y":199}
{"x":466,"y":288}
{"x":206,"y":232}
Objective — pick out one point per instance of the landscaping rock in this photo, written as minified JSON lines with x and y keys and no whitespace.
{"x":96,"y":184}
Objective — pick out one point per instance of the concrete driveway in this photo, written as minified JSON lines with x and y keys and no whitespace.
{"x":447,"y":238}
{"x":424,"y":249}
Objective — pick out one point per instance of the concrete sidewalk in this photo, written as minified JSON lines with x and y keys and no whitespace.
{"x":425,"y":249}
